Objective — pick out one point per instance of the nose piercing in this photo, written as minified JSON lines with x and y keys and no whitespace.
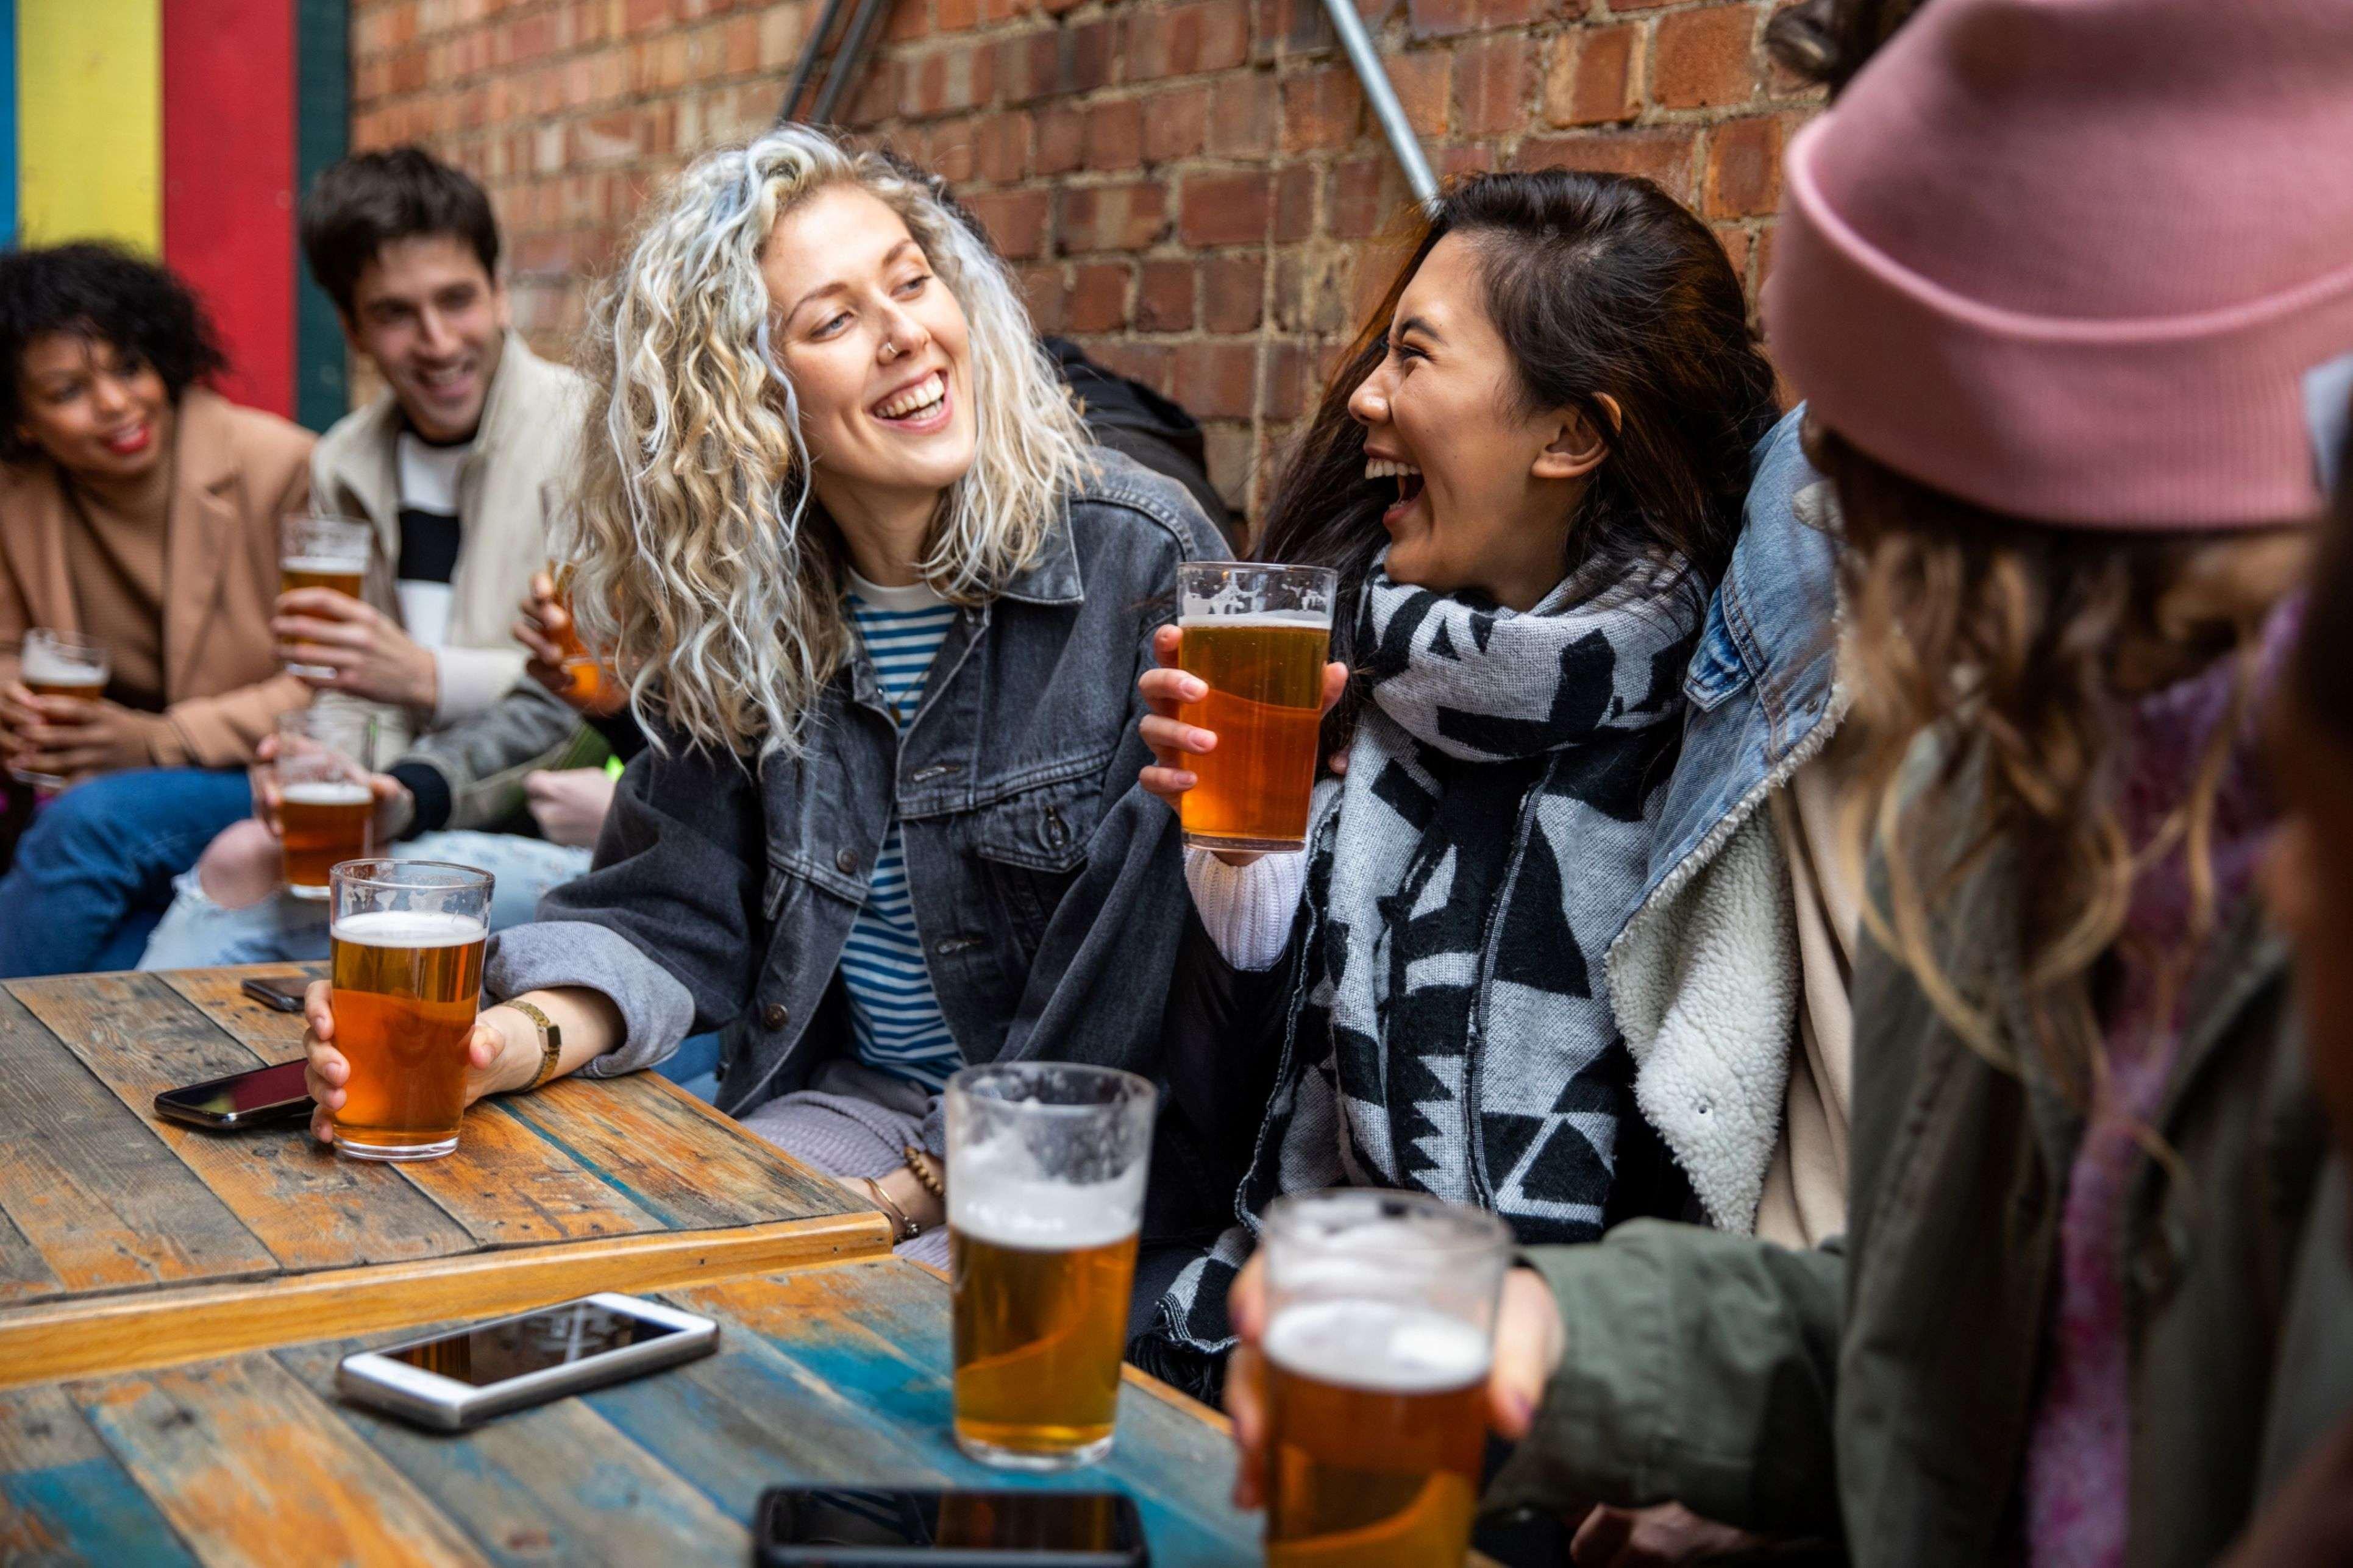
{"x":889,"y":353}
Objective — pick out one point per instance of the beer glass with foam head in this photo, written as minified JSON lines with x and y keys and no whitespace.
{"x":1046,"y":1167}
{"x":1380,"y":1318}
{"x":1258,"y":637}
{"x":60,"y":664}
{"x":317,"y":551}
{"x":326,"y":814}
{"x":407,"y":938}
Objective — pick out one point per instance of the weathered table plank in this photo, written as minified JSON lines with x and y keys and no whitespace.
{"x":310,"y":1208}
{"x":64,"y":1499}
{"x":91,"y":1189}
{"x":251,"y":1467}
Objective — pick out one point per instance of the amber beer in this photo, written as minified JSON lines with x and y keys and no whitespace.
{"x":1045,"y":1202}
{"x":1377,"y":1425}
{"x":582,"y":678}
{"x":407,"y":939}
{"x":323,"y":822}
{"x":1381,"y":1309}
{"x":338,"y":577}
{"x":1258,"y":637}
{"x":60,"y":664}
{"x":316,"y":551}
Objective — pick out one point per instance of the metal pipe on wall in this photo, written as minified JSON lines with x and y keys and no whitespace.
{"x":1375,"y":80}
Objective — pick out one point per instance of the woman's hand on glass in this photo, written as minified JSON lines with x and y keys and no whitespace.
{"x":1174,"y":742}
{"x":396,"y":808}
{"x":501,"y":1053}
{"x":542,"y":628}
{"x":1529,"y":1343}
{"x":73,"y":738}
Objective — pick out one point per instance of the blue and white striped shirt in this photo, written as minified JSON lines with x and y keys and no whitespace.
{"x":894,"y":1010}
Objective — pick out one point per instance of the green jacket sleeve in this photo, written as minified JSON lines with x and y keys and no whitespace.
{"x":1699,"y":1369}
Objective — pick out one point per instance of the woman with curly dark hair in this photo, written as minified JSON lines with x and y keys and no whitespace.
{"x":139,"y":508}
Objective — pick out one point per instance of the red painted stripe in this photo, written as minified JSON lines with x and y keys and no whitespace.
{"x":228,"y":181}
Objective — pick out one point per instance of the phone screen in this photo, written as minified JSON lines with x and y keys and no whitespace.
{"x":557,"y":1337}
{"x":1025,"y":1522}
{"x":242,"y":1096}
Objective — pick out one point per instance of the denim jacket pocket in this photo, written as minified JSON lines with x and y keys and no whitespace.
{"x":1033,"y":846}
{"x":1717,"y":671}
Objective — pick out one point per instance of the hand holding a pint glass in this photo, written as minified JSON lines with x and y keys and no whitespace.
{"x":1383,"y":1334}
{"x":1238,"y":704}
{"x":56,"y":726}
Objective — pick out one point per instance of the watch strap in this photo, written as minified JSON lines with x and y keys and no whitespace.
{"x":551,"y":1042}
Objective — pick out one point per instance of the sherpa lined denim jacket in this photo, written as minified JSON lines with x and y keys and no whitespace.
{"x":1048,"y":888}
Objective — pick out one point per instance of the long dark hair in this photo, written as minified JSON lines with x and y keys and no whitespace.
{"x":1597,"y":284}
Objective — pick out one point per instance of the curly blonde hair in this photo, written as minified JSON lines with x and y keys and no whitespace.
{"x":698,"y":565}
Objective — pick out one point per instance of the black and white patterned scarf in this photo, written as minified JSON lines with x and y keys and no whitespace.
{"x":1449,"y":1028}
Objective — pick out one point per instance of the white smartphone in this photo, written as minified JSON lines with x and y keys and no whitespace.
{"x":454,"y":1380}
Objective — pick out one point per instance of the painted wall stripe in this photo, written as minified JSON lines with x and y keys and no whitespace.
{"x":88,"y":120}
{"x":322,"y":134}
{"x":8,"y":121}
{"x":228,"y":181}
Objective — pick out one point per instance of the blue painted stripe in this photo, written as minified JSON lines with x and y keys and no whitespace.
{"x":8,"y":99}
{"x":93,"y":1512}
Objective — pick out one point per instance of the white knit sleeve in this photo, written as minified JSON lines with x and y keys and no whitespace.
{"x":1247,"y":909}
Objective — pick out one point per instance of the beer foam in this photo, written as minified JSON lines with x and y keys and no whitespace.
{"x":51,"y":666}
{"x":996,"y":1194}
{"x":1261,"y":620}
{"x":324,"y":565}
{"x":328,"y":791}
{"x":1389,"y":1347}
{"x":408,"y":928}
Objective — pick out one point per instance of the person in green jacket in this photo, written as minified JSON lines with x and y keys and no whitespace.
{"x":2088,"y":1305}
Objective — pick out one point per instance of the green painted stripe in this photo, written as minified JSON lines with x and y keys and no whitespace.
{"x":322,"y":93}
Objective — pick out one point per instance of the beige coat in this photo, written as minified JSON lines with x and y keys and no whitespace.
{"x":507,"y":492}
{"x":236,"y":471}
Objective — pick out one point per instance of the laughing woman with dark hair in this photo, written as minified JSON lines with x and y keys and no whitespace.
{"x":1529,"y":474}
{"x":139,"y":508}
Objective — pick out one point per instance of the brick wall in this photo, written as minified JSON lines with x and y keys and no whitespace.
{"x":1192,"y":188}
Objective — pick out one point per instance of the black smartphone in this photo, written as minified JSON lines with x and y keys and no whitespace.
{"x":806,"y":1527}
{"x":270,"y":994}
{"x":253,"y":1099}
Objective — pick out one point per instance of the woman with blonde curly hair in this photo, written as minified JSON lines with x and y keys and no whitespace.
{"x":883,"y":609}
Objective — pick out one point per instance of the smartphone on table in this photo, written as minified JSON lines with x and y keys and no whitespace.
{"x":822,"y":1527}
{"x":454,"y":1380}
{"x":261,"y":1097}
{"x":280,"y":993}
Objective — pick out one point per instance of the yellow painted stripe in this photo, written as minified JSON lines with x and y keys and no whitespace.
{"x":89,"y":112}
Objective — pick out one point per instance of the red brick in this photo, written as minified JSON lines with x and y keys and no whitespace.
{"x":1225,"y":209}
{"x":1421,"y":80}
{"x":1181,"y":40}
{"x":1233,"y":293}
{"x":1218,"y":380}
{"x":954,"y":15}
{"x":1113,"y":217}
{"x":1015,"y":220}
{"x":1098,"y":301}
{"x":1164,"y":297}
{"x":1147,"y":362}
{"x":1663,"y":154}
{"x":1044,"y":289}
{"x":1441,"y":18}
{"x":1061,"y":140}
{"x":1321,"y":109}
{"x":1175,"y":123}
{"x":1243,"y":116}
{"x":1002,"y":146}
{"x":1705,"y":59}
{"x":1490,"y":83}
{"x":1294,"y":205}
{"x":1288,"y":369}
{"x":1090,"y":57}
{"x":1736,"y":243}
{"x":1365,"y":196}
{"x":1029,"y":66}
{"x":1744,"y":168}
{"x":1115,"y":135}
{"x":1590,"y":76}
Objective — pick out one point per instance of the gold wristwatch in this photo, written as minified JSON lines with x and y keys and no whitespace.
{"x":551,"y":1043}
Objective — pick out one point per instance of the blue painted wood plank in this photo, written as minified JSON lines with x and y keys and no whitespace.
{"x":64,"y":1499}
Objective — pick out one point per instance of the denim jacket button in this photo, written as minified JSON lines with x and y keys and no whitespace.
{"x":1055,"y":833}
{"x":847,"y":860}
{"x":777,"y":1015}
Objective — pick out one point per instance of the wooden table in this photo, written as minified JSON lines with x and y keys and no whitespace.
{"x":128,"y":1241}
{"x":827,"y":1376}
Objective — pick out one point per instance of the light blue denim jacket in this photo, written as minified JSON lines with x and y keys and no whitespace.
{"x":1704,"y":973}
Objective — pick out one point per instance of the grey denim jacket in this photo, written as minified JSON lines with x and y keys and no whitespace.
{"x":1048,"y":888}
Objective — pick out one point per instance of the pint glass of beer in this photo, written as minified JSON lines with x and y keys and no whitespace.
{"x":1258,"y":637}
{"x":1045,"y":1165}
{"x":408,"y":950}
{"x":320,"y":551}
{"x":1381,"y":1312}
{"x":326,"y":814}
{"x":60,"y":664}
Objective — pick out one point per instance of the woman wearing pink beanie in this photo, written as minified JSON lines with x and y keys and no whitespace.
{"x":2052,"y":275}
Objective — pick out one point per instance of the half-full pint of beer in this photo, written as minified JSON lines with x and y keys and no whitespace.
{"x":323,"y":822}
{"x":1265,"y":703}
{"x":1377,"y":1423}
{"x":1045,"y":1173}
{"x":407,"y":989}
{"x":1040,"y":1280}
{"x":60,"y":664}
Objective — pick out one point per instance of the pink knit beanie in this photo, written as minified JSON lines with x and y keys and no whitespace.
{"x":2070,"y":259}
